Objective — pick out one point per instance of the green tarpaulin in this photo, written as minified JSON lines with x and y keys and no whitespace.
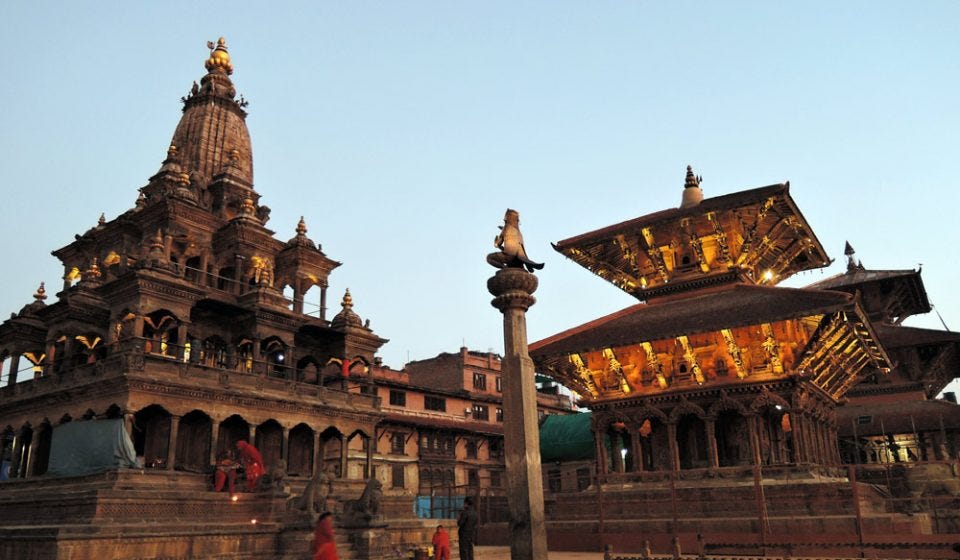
{"x":89,"y":446}
{"x":566,"y":437}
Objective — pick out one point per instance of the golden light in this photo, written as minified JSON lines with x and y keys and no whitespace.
{"x":767,"y":275}
{"x":234,"y":498}
{"x":253,"y":521}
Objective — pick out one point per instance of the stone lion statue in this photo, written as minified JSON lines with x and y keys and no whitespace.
{"x":314,"y":497}
{"x":367,"y":506}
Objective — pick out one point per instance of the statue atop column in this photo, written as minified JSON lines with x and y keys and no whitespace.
{"x":512,"y":253}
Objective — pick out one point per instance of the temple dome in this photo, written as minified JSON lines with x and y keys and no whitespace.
{"x":346,"y":317}
{"x":212,"y":134}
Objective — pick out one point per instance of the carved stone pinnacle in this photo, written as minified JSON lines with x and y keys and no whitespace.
{"x":512,"y":289}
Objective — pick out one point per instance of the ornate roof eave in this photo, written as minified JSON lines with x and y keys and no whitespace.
{"x":841,"y":352}
{"x":624,"y":254}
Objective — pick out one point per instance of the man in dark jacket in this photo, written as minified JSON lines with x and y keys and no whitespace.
{"x":467,"y":529}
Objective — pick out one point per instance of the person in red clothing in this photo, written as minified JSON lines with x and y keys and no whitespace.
{"x":225,"y":472}
{"x":324,"y":545}
{"x":252,"y":464}
{"x":441,"y":544}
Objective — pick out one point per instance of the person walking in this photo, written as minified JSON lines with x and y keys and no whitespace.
{"x":467,"y":529}
{"x":324,"y":543}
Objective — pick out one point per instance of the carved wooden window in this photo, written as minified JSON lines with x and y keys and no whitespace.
{"x":471,"y":447}
{"x":396,"y":476}
{"x":496,"y":479}
{"x":398,"y":398}
{"x":479,"y":381}
{"x":435,"y":403}
{"x":473,"y":477}
{"x":496,"y":448}
{"x":499,"y":414}
{"x":554,"y":481}
{"x":398,"y":443}
{"x":481,"y":412}
{"x":499,"y":384}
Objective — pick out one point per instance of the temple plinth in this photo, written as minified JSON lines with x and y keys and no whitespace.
{"x":512,"y":289}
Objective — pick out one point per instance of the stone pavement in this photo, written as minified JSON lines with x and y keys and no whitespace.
{"x":503,"y":553}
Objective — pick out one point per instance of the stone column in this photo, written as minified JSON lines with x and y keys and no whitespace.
{"x":674,"y":448}
{"x":601,"y":451}
{"x":172,"y":442}
{"x":512,"y":289}
{"x":756,"y":457}
{"x":636,"y":450}
{"x":712,"y":455}
{"x":344,"y":457}
{"x":14,"y":368}
{"x":317,"y":454}
{"x":214,"y":442}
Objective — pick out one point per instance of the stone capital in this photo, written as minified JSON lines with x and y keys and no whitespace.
{"x":512,"y":289}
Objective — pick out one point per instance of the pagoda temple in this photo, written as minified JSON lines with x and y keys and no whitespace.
{"x":717,"y":366}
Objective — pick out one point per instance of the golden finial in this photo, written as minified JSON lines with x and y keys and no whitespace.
{"x":41,"y":293}
{"x":183,"y":178}
{"x":347,"y":302}
{"x":219,"y":57}
{"x":171,"y":152}
{"x":102,"y":220}
{"x":301,"y":227}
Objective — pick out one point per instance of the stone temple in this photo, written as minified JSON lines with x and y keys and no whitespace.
{"x":172,"y":326}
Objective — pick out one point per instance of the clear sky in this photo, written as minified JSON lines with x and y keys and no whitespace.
{"x":401,"y":131}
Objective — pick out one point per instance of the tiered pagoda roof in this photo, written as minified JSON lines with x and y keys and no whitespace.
{"x":713,"y":316}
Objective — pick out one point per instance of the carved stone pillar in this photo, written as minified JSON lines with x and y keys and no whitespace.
{"x":182,"y":342}
{"x":674,"y":448}
{"x":14,"y":369}
{"x":601,"y":451}
{"x":369,"y":444}
{"x":796,"y":425}
{"x":317,"y":454}
{"x":172,"y":442}
{"x":214,"y":442}
{"x":344,"y":457}
{"x":512,"y":289}
{"x":712,"y":455}
{"x":51,"y":356}
{"x":753,"y":427}
{"x":636,"y":450}
{"x":323,"y":301}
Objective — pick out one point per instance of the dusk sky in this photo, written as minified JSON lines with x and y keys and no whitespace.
{"x":401,"y":131}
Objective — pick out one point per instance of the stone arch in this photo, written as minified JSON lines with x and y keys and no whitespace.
{"x":161,"y":332}
{"x":725,"y":403}
{"x":648,"y":411}
{"x":151,"y":435}
{"x":269,"y":441}
{"x":308,"y":369}
{"x":332,"y":441}
{"x":233,"y":429}
{"x":684,"y":408}
{"x":193,"y":440}
{"x":300,"y":450}
{"x":276,"y":353}
{"x":732,"y":434}
{"x":767,"y":398}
